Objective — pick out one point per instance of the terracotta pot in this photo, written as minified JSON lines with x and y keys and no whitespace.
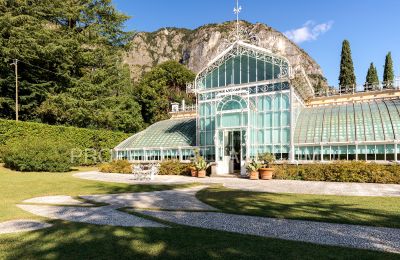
{"x":266,"y":173}
{"x":193,"y":171}
{"x":201,"y":174}
{"x":253,"y":175}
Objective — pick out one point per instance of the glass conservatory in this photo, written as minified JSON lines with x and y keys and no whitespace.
{"x":248,"y":104}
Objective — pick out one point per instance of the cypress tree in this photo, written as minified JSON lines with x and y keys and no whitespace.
{"x":347,"y":78}
{"x":388,"y":73}
{"x":372,"y":78}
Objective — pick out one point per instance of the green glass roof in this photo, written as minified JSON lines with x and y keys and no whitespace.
{"x":168,"y":133}
{"x":373,"y":121}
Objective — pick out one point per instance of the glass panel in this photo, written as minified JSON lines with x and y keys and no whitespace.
{"x":368,"y":123}
{"x":236,"y":72}
{"x":231,"y":120}
{"x":360,"y":133}
{"x":215,"y":78}
{"x":285,"y":102}
{"x":252,"y":69}
{"x":260,"y":70}
{"x":326,"y":124}
{"x":268,"y":103}
{"x":231,"y":105}
{"x":221,"y":75}
{"x":351,"y":149}
{"x":245,"y":69}
{"x":386,"y":120}
{"x":286,"y":118}
{"x":277,"y":71}
{"x":229,"y":71}
{"x":377,"y":122}
{"x":351,"y":128}
{"x":208,"y":81}
{"x":268,"y":71}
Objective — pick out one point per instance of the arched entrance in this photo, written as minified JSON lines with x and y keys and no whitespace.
{"x":231,"y":134}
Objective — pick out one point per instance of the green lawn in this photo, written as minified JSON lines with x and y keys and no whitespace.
{"x":67,"y":240}
{"x":374,"y":211}
{"x":17,"y":186}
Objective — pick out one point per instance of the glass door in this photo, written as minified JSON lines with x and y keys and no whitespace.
{"x":232,"y":150}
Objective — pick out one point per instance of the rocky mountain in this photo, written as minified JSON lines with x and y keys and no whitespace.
{"x":195,"y":48}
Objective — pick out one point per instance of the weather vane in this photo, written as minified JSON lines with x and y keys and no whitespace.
{"x":237,"y":10}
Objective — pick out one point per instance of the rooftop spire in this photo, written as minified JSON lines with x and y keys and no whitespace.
{"x":237,"y":10}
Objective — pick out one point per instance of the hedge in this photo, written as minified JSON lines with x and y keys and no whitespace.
{"x":116,"y":166}
{"x":37,"y":155}
{"x":342,"y":171}
{"x":173,"y":167}
{"x":77,"y":138}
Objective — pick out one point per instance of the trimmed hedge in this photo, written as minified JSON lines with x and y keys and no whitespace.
{"x":117,"y":166}
{"x":12,"y":132}
{"x":342,"y":171}
{"x":173,"y":167}
{"x":37,"y":155}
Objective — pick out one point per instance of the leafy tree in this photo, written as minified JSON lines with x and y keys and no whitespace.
{"x":388,"y":73}
{"x":164,"y":84}
{"x":70,"y":68}
{"x":347,"y":78}
{"x":372,"y":77}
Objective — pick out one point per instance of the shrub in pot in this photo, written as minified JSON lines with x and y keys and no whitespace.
{"x":201,"y":166}
{"x":192,"y":169}
{"x":252,"y":169}
{"x":266,"y":170}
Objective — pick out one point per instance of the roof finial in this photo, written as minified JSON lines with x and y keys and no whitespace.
{"x":237,"y":10}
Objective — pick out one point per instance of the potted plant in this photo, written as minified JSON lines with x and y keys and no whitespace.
{"x":201,"y":166}
{"x":252,"y":169}
{"x":192,"y":169}
{"x":266,"y":170}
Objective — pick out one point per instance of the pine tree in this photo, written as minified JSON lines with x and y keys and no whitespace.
{"x":347,"y":79}
{"x":388,"y":73}
{"x":371,"y":80}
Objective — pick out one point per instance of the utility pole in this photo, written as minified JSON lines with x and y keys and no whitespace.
{"x":15,"y":63}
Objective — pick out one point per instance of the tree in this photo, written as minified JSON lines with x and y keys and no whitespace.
{"x":388,"y":73}
{"x":70,"y":68}
{"x":347,"y":78}
{"x":158,"y":88}
{"x":372,"y":79}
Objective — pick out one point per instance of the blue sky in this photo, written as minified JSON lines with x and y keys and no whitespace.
{"x":371,"y":26}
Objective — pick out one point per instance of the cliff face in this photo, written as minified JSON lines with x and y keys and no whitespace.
{"x":195,"y":48}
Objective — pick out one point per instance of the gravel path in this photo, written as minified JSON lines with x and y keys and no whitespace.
{"x":178,"y":199}
{"x":276,"y":186}
{"x":57,"y":200}
{"x":382,"y":239}
{"x":22,"y":225}
{"x":107,"y":215}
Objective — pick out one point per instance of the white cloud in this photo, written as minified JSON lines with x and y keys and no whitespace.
{"x":308,"y":32}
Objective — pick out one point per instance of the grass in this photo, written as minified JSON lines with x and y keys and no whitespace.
{"x":81,"y":241}
{"x":69,"y":240}
{"x":18,"y":186}
{"x":373,"y":211}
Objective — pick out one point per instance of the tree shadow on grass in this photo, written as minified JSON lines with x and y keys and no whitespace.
{"x":66,"y":240}
{"x":303,"y":207}
{"x":112,"y":188}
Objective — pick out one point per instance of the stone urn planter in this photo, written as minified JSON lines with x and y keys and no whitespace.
{"x":266,"y":173}
{"x":201,"y":174}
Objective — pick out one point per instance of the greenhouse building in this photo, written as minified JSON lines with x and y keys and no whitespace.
{"x":248,"y":103}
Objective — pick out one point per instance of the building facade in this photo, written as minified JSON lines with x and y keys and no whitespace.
{"x":248,"y":104}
